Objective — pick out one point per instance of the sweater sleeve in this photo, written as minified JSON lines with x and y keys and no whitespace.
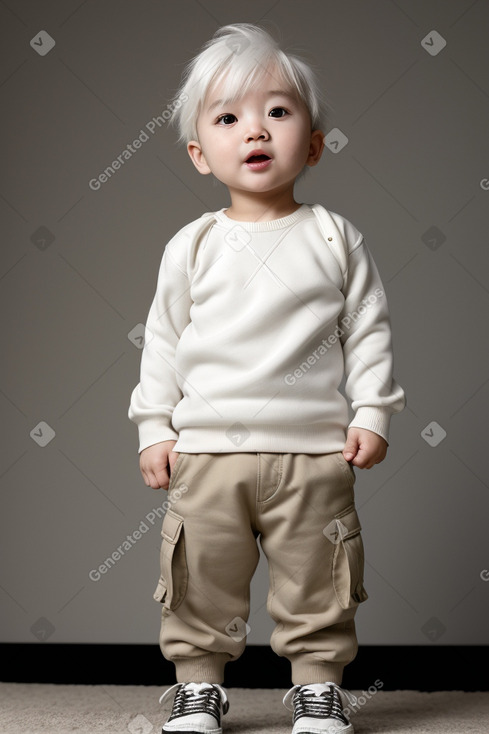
{"x":367,"y":345}
{"x":155,"y":397}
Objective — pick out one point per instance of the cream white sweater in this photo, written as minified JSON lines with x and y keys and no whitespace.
{"x":253,"y":327}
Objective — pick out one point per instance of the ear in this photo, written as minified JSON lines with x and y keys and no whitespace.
{"x":316,"y":147}
{"x":197,"y":156}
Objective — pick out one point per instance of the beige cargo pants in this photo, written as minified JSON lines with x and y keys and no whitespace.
{"x":301,"y":506}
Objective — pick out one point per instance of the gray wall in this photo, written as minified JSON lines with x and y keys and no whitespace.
{"x":78,"y":273}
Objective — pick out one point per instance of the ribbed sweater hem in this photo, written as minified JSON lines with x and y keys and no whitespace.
{"x":268,"y":439}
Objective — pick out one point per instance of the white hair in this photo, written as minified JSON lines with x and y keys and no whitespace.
{"x":239,"y":56}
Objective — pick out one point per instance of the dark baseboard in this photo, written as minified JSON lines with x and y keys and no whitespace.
{"x":400,"y":667}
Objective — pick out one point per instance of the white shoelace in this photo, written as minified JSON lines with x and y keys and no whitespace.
{"x":192,"y":698}
{"x":319,"y":699}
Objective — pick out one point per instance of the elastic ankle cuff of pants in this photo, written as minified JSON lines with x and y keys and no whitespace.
{"x":307,"y":669}
{"x":204,"y":668}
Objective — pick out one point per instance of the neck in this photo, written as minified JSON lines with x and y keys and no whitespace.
{"x":261,"y":207}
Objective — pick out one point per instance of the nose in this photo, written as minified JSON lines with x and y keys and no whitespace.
{"x":252,"y":135}
{"x":256,"y":131}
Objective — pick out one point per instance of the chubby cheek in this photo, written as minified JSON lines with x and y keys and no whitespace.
{"x":297,"y":156}
{"x":219,"y":152}
{"x":220,"y":162}
{"x":295,"y":142}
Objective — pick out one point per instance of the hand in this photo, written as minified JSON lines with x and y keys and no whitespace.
{"x":364,"y":448}
{"x":154,"y":462}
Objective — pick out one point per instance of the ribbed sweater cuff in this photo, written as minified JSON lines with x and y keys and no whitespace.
{"x":373,"y":419}
{"x":155,"y":431}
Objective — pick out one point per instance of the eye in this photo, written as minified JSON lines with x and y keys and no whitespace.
{"x":226,"y":119}
{"x":278,"y":112}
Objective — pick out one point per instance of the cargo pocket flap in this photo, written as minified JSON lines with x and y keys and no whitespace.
{"x":172,"y":584}
{"x":160,"y":592}
{"x":172,"y":526}
{"x":348,"y":560}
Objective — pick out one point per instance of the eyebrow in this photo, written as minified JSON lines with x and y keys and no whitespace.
{"x":271,"y":93}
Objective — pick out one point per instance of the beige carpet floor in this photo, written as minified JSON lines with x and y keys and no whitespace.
{"x":63,"y":709}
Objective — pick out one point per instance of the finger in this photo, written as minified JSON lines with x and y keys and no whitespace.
{"x":359,"y":461}
{"x":150,"y":480}
{"x":153,"y":482}
{"x":350,"y":451}
{"x":162,"y":479}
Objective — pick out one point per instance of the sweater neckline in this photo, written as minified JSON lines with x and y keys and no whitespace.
{"x":269,"y":226}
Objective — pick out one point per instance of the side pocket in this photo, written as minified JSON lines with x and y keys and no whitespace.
{"x":348,"y":560}
{"x":346,"y":468}
{"x":175,"y":471}
{"x":172,"y":584}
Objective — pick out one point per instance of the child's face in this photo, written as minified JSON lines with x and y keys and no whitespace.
{"x":272,"y":119}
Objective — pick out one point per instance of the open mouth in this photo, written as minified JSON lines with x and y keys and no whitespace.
{"x":257,"y":158}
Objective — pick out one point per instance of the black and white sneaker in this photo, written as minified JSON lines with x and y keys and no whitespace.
{"x":197,"y":708}
{"x":319,"y":708}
